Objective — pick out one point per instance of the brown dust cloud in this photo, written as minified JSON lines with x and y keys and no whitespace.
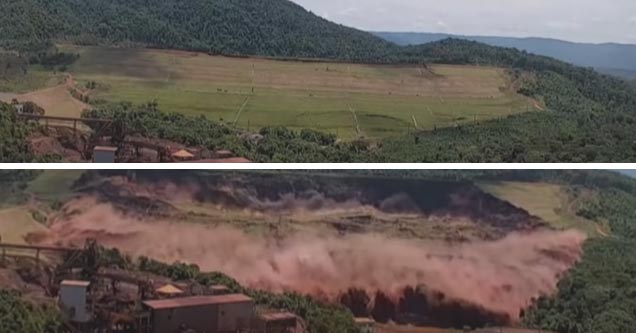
{"x":501,"y":276}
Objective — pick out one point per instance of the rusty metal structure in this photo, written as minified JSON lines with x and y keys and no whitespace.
{"x":92,"y":131}
{"x":88,"y":133}
{"x":47,"y":121}
{"x":122,"y":301}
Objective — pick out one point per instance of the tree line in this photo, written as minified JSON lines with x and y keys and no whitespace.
{"x":599,"y":295}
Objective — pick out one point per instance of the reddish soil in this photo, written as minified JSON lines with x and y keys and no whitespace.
{"x":24,"y":278}
{"x":59,"y":141}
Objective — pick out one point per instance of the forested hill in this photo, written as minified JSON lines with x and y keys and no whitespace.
{"x":277,"y":28}
{"x":602,"y":56}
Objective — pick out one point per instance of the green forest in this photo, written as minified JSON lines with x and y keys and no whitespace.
{"x":13,"y":137}
{"x":17,"y":315}
{"x":599,"y":295}
{"x":232,"y":27}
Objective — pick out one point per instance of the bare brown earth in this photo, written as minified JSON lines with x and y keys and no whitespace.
{"x":274,"y":205}
{"x":48,"y":145}
{"x":7,"y":97}
{"x":56,"y":101}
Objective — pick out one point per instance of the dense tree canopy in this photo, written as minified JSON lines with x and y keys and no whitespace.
{"x":12,"y":66}
{"x":232,"y":27}
{"x":13,"y":137}
{"x":600,"y":293}
{"x":17,"y":315}
{"x":590,"y":116}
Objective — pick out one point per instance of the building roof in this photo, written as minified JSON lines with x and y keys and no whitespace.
{"x":74,"y":283}
{"x":278,"y":316}
{"x":183,"y":154}
{"x":105,"y":148}
{"x":196,"y":301}
{"x":364,"y":321}
{"x":169,"y":290}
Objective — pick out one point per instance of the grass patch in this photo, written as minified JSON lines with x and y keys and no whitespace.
{"x":36,"y":78}
{"x":552,"y":203}
{"x":299,"y":94}
{"x":54,"y":185}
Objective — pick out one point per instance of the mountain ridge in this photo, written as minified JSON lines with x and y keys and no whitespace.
{"x":606,"y":57}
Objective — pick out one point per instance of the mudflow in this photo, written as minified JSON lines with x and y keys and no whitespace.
{"x":501,"y":276}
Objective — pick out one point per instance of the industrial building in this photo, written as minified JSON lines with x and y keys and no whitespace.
{"x":102,"y":154}
{"x":73,"y":296}
{"x":114,"y":300}
{"x":203,"y":314}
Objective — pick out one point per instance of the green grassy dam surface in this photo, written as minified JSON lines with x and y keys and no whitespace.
{"x":350,"y":100}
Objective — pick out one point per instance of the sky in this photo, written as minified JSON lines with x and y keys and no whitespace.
{"x":592,"y":21}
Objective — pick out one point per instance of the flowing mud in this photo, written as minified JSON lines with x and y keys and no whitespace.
{"x":159,"y":194}
{"x":484,"y":281}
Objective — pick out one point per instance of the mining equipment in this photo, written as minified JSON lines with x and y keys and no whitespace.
{"x":98,"y":299}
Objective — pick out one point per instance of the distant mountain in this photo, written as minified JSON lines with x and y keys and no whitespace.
{"x":631,"y":173}
{"x":610,"y":58}
{"x":630,"y":75}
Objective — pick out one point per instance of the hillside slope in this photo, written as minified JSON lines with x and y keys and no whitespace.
{"x":234,"y":27}
{"x":602,"y":56}
{"x":590,"y":116}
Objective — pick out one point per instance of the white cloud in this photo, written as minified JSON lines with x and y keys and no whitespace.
{"x":576,"y":20}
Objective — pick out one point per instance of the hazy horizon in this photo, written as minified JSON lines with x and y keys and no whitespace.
{"x":581,"y":21}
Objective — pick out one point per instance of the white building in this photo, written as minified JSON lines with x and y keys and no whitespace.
{"x":104,"y":154}
{"x":73,"y":300}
